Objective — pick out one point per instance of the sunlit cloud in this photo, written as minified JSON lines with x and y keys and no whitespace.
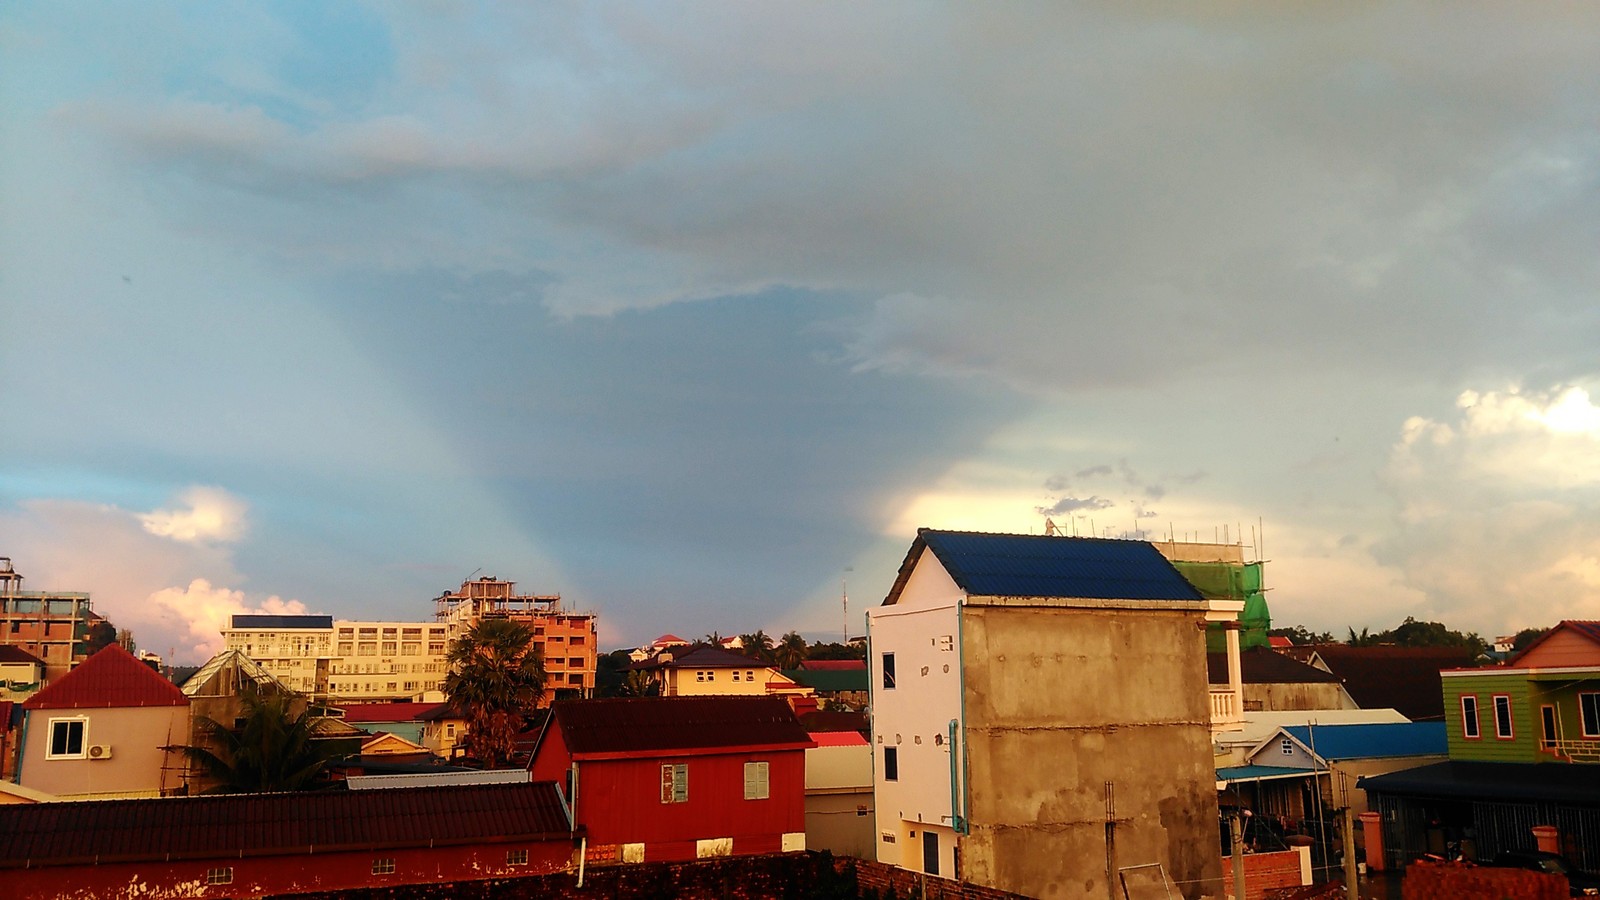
{"x":201,"y":610}
{"x":205,"y":514}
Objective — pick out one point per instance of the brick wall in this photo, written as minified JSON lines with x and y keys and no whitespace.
{"x":1263,"y":872}
{"x":1454,"y":881}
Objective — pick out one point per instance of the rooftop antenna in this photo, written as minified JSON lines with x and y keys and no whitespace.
{"x":844,"y":602}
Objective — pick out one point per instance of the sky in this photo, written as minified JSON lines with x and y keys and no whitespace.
{"x":694,"y":313}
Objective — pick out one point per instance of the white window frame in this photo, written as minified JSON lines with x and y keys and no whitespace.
{"x":1504,"y":727}
{"x":83,"y":738}
{"x":517,"y":857}
{"x":220,"y":875}
{"x":757,"y":781}
{"x":383,"y":865}
{"x":675,"y":783}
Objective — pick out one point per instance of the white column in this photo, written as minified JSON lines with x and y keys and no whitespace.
{"x":1235,"y":669}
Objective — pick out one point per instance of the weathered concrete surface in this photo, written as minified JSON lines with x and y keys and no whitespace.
{"x":1058,"y":704}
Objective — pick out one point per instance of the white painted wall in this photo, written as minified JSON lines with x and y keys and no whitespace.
{"x":913,"y":717}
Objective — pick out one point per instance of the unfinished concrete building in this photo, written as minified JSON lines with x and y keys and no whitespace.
{"x":51,"y":625}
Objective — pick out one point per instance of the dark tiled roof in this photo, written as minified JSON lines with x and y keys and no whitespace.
{"x":1260,"y":665}
{"x":1563,"y":783}
{"x":831,"y":720}
{"x":666,"y":724}
{"x":110,"y":678}
{"x":1030,"y":565}
{"x":274,"y":824}
{"x":1405,"y":679}
{"x":11,"y":653}
{"x":268,"y":622}
{"x":713,"y":658}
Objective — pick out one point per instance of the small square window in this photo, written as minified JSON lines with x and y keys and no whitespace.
{"x":516,"y":857}
{"x":220,"y":875}
{"x":675,"y":783}
{"x":66,"y":738}
{"x":755,"y":781}
{"x":383,"y":865}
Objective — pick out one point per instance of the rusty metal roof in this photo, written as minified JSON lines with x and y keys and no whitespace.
{"x":660,"y":725}
{"x":234,"y":825}
{"x":110,"y":678}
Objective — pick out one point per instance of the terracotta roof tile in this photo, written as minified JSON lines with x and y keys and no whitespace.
{"x":110,"y":678}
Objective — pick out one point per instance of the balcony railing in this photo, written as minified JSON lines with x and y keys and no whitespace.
{"x":1578,"y":751}
{"x":1224,"y":711}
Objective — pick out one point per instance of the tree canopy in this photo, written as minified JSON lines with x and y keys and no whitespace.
{"x":270,"y":748}
{"x":496,"y":679}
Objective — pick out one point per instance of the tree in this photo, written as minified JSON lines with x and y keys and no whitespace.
{"x":791,"y":651}
{"x":638,"y":683}
{"x":496,"y":677}
{"x":758,"y":645}
{"x":1525,"y":637}
{"x":270,"y":748}
{"x":99,"y":636}
{"x":1302,"y":635}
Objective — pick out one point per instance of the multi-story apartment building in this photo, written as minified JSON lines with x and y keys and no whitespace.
{"x":51,"y":625}
{"x":384,"y":661}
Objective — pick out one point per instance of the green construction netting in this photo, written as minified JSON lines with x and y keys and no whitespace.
{"x":1232,"y":581}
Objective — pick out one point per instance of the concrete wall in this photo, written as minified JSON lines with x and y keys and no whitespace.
{"x":1297,"y":697}
{"x":137,"y":766}
{"x":835,"y":822}
{"x":1059,"y":702}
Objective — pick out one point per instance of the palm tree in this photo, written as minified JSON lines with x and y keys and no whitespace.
{"x":496,"y":677}
{"x":791,"y":650}
{"x":271,"y":747}
{"x":757,"y":645}
{"x":638,"y":683}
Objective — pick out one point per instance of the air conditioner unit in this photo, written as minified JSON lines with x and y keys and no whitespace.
{"x":99,"y":751}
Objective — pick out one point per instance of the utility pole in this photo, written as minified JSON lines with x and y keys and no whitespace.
{"x":1237,"y":828}
{"x":1351,"y":891}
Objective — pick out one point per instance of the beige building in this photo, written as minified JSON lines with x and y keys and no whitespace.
{"x":108,"y":728}
{"x":363,"y":662}
{"x":709,"y":671}
{"x":1040,"y":718}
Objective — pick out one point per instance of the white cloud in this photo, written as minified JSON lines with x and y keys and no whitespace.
{"x":202,"y":610}
{"x":207,"y":514}
{"x":1499,"y":509}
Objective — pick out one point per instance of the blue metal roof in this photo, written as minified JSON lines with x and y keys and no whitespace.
{"x":1262,"y":773}
{"x":267,"y":622}
{"x":1372,"y":741}
{"x":1029,"y":565}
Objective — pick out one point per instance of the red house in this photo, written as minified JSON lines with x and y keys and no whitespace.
{"x":674,"y":778}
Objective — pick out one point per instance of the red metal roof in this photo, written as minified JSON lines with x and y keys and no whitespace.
{"x":658,"y":725}
{"x":387,"y":712}
{"x":219,"y":826}
{"x":834,"y":665}
{"x":838,"y":739}
{"x":110,"y":678}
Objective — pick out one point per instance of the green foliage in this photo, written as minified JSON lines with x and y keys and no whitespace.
{"x":836,"y":650}
{"x":1302,"y":635}
{"x":610,"y":670}
{"x":1412,"y":633}
{"x":496,"y":678}
{"x":270,"y":748}
{"x":791,"y":651}
{"x":758,"y":645}
{"x":1527,"y":636}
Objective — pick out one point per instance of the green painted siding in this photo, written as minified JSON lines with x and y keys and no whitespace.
{"x":1522,"y":747}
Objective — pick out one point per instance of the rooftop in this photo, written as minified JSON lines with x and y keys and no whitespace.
{"x":277,"y":622}
{"x":237,"y":825}
{"x":1374,"y":741}
{"x":1260,"y":665}
{"x":110,"y":678}
{"x":1029,"y":565}
{"x":666,"y":724}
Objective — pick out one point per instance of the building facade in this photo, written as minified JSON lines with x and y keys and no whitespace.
{"x":370,"y":662}
{"x":51,"y":625}
{"x":1041,"y":721}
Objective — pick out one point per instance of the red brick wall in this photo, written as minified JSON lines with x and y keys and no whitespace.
{"x":1263,"y":872}
{"x":1454,"y":881}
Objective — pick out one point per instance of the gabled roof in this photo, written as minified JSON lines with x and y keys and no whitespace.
{"x":661,"y":725}
{"x":1260,"y":665}
{"x":714,"y":658}
{"x":1582,"y":627}
{"x":1375,"y":741}
{"x":667,"y":640}
{"x":1402,"y":678}
{"x":11,"y":653}
{"x":231,"y":826}
{"x":247,"y":669}
{"x":110,"y":678}
{"x":1030,"y":565}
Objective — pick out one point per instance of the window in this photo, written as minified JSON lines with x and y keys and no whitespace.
{"x":1287,"y":746}
{"x":755,"y":781}
{"x":575,"y":662}
{"x":735,"y":674}
{"x":888,"y":671}
{"x":891,"y":764}
{"x":66,"y":738}
{"x":1547,"y":728}
{"x":383,"y":865}
{"x":1589,"y":708}
{"x":516,"y":857}
{"x":675,"y":783}
{"x":1469,"y":716}
{"x":1502,"y":717}
{"x":220,"y":875}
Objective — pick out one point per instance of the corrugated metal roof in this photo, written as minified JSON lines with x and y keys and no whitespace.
{"x":1402,"y":678}
{"x":110,"y":678}
{"x":275,"y":824}
{"x":715,"y":658}
{"x":1261,"y":665}
{"x":1259,"y":773}
{"x":453,"y":777}
{"x":1333,"y":742}
{"x":387,"y":712}
{"x":830,"y":679}
{"x":268,"y":622}
{"x":667,"y":724}
{"x":1577,"y":785}
{"x":838,"y":739}
{"x":834,"y":665}
{"x":1029,"y":565}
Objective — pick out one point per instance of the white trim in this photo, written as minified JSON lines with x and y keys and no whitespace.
{"x":1562,"y":670}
